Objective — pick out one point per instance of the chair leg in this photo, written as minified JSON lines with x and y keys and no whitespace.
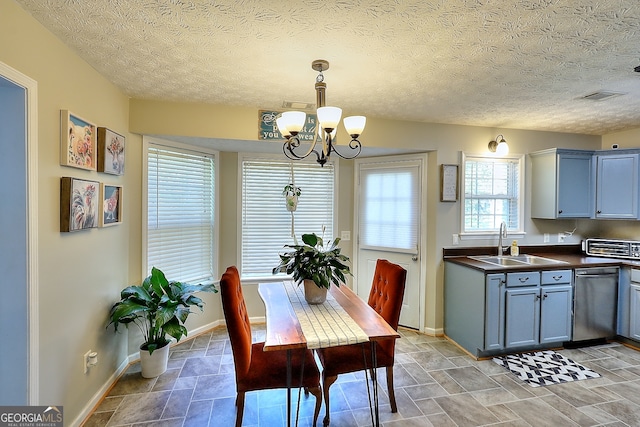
{"x":317,"y":392}
{"x":240,"y":408}
{"x":326,"y":385}
{"x":390,"y":390}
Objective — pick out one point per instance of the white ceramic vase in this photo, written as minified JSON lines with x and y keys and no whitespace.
{"x":313,"y":293}
{"x":155,"y":364}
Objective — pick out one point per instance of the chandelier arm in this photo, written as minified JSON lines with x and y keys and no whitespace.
{"x":353,"y":145}
{"x":288,"y":148}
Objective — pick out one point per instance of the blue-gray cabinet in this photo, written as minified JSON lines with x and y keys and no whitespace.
{"x":562,"y":184}
{"x":617,"y":186}
{"x":494,"y":317}
{"x":538,"y":308}
{"x":494,"y":313}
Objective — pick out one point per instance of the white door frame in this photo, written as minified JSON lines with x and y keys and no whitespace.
{"x":423,"y":157}
{"x":31,"y":89}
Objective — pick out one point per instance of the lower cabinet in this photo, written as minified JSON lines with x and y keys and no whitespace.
{"x":634,"y":311}
{"x":494,"y":312}
{"x":538,"y":311}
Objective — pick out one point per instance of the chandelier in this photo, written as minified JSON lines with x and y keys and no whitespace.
{"x":290,"y":123}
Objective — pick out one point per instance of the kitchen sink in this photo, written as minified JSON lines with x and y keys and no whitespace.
{"x":518,"y":260}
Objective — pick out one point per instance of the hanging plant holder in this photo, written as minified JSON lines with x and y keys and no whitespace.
{"x":291,"y":194}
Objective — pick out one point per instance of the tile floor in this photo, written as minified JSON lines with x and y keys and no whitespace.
{"x":436,"y":385}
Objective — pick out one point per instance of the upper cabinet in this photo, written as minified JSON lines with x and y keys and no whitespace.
{"x":562,"y":184}
{"x":617,"y":186}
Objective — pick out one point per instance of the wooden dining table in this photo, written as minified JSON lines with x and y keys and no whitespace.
{"x":284,"y":331}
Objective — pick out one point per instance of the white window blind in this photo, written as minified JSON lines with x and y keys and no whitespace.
{"x":389,"y":202}
{"x":266,"y":223}
{"x":180,"y":234}
{"x":491,"y":194}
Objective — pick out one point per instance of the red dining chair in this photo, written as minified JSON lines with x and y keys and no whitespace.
{"x":257,"y":369}
{"x":385,"y":297}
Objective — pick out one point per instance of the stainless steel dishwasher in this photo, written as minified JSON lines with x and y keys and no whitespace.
{"x":595,"y":303}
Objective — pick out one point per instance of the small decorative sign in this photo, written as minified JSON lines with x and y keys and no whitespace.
{"x":268,"y":130}
{"x":448,"y":183}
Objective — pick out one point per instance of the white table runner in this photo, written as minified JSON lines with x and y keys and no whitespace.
{"x":324,"y":325}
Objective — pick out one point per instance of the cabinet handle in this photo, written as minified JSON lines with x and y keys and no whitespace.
{"x":560,"y":211}
{"x":537,"y":297}
{"x":544,"y":296}
{"x":598,"y":212}
{"x":523,"y":279}
{"x":556,"y":278}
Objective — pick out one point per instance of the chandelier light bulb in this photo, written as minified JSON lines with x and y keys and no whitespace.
{"x":329,"y":117}
{"x":502,"y":149}
{"x":282,"y":127}
{"x":294,"y":121}
{"x":355,"y":125}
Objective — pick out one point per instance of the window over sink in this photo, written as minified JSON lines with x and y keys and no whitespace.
{"x":492,"y":189}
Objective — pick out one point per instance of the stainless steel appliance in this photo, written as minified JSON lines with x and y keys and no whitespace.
{"x":612,"y":248}
{"x":594,"y":303}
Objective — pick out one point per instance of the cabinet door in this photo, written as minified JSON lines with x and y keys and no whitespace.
{"x":634,"y":312}
{"x":575,"y":194}
{"x":522,"y":316}
{"x":555,"y":313}
{"x":494,"y":313}
{"x":617,"y":186}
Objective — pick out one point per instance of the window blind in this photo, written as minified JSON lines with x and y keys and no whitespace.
{"x":180,"y":227}
{"x":266,"y":223}
{"x":491,"y":194}
{"x":389,"y":202}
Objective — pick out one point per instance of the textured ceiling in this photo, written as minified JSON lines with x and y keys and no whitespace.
{"x":499,"y":63}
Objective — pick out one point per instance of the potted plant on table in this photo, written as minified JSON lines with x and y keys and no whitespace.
{"x":315,"y":266}
{"x":159,"y":308}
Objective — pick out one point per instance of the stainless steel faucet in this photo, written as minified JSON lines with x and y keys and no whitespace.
{"x":503,"y":234}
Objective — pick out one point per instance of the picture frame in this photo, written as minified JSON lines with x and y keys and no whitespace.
{"x":79,"y":199}
{"x":77,"y":141}
{"x":449,"y":183}
{"x":110,"y":205}
{"x":111,"y":147}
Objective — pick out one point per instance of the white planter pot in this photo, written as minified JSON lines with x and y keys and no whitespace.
{"x":154,"y":365}
{"x":292,"y":203}
{"x":313,"y":293}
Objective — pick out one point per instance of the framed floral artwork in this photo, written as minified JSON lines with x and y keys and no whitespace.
{"x":110,"y":152}
{"x":79,"y":201}
{"x":77,"y":141}
{"x":110,"y":205}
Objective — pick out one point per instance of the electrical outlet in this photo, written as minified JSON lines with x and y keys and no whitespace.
{"x":561,"y":237}
{"x":545,"y":239}
{"x":345,"y":236}
{"x":456,"y":239}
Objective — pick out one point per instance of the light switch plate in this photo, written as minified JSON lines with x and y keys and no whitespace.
{"x":345,"y":236}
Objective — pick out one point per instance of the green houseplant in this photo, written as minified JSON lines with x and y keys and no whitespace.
{"x":159,"y":308}
{"x":312,"y":262}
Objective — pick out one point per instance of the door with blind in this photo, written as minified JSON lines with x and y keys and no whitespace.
{"x":389,"y":226}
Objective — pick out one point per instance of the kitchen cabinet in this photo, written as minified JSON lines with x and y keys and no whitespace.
{"x":562,"y":184}
{"x":494,"y":318}
{"x":617,"y":186}
{"x":629,"y":314}
{"x":493,"y":313}
{"x":538,"y":308}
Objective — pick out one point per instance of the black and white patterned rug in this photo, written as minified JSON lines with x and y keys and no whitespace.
{"x":544,"y":368}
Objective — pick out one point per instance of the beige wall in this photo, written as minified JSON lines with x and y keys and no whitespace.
{"x":82,"y":273}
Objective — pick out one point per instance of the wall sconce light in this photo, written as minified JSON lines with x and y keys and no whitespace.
{"x":499,"y":146}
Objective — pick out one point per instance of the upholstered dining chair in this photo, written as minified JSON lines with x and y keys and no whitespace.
{"x":257,"y":369}
{"x":385,"y":297}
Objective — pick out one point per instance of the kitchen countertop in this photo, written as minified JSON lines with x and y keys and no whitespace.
{"x":570,"y":254}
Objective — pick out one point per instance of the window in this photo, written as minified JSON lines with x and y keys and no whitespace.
{"x":266,"y":224}
{"x":492,"y":194}
{"x":389,"y":199}
{"x":180,"y":213}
